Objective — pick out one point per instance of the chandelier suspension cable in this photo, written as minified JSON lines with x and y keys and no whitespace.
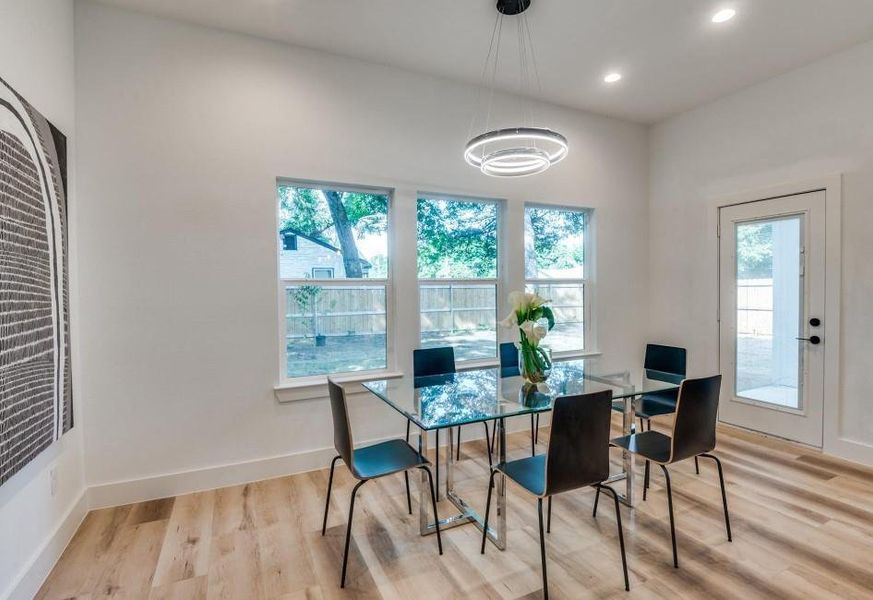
{"x":478,"y":103}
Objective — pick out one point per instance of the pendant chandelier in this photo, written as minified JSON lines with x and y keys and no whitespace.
{"x":525,"y":149}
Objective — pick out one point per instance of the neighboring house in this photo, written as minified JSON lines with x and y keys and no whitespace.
{"x":306,"y":257}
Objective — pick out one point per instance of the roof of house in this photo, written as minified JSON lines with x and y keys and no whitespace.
{"x":320,"y":242}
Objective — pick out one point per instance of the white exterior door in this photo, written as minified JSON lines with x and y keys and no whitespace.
{"x":771,"y":316}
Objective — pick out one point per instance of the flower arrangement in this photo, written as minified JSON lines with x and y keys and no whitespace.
{"x":529,"y":311}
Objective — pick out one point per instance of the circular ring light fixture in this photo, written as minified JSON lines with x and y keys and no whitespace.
{"x":516,"y":152}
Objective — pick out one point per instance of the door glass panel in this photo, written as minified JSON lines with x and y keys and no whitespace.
{"x":769,"y":309}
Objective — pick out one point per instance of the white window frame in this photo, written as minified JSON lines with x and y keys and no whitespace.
{"x":586,"y":281}
{"x":496,"y":281}
{"x":390,"y":359}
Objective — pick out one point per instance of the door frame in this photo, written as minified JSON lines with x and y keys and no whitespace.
{"x":832,"y":441}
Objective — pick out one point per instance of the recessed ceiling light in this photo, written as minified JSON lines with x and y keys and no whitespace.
{"x":612,"y":77}
{"x":723,"y":15}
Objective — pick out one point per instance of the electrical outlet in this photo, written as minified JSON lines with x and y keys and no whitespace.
{"x":53,"y":480}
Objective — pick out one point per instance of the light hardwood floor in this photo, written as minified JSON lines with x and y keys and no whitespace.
{"x":802,"y":525}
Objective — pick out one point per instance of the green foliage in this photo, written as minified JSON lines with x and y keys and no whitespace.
{"x":456,"y":239}
{"x":552,"y":231}
{"x":755,"y":251}
{"x":306,"y":297}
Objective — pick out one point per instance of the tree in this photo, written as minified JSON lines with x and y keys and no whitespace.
{"x":456,"y":239}
{"x":554,"y":236}
{"x":755,"y":251}
{"x":337,"y":218}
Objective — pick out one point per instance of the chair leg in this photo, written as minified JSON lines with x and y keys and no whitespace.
{"x":488,"y":441}
{"x":494,"y":438}
{"x":327,"y":500}
{"x":349,"y":533}
{"x":436,"y":516}
{"x":537,"y":429}
{"x":458,"y":451}
{"x":620,"y":533}
{"x":549,"y":518}
{"x":646,"y":481}
{"x":543,"y":550}
{"x":727,"y":518}
{"x":696,"y":466}
{"x":533,"y":436}
{"x":406,"y":473}
{"x":596,"y":500}
{"x":436,"y":453}
{"x":487,"y":510}
{"x":672,"y":523}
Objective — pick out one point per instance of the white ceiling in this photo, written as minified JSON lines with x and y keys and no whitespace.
{"x":671,"y":55}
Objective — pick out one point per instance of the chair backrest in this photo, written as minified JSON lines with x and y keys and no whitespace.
{"x":665,"y":363}
{"x":578,"y":453}
{"x":342,"y":430}
{"x":433,"y":361}
{"x":509,"y":360}
{"x":696,"y":413}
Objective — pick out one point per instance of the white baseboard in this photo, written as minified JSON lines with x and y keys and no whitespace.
{"x":34,"y":573}
{"x":117,"y":493}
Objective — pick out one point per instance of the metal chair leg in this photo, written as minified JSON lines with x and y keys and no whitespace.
{"x":537,"y":429}
{"x":646,"y":481}
{"x":327,"y":500}
{"x":436,"y":453}
{"x":487,"y":441}
{"x":487,"y":510}
{"x":458,"y":451}
{"x":696,"y":466}
{"x":672,"y":523}
{"x":543,"y":550}
{"x":727,"y":518}
{"x":436,"y":516}
{"x":549,"y":518}
{"x":533,"y":436}
{"x":620,"y":533}
{"x":596,"y":500}
{"x":406,"y":473}
{"x":349,"y":533}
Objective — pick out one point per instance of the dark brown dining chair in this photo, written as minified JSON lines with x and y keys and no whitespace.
{"x":370,"y":462}
{"x":693,"y":435}
{"x":577,"y":456}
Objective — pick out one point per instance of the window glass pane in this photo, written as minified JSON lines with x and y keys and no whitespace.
{"x":334,"y":329}
{"x":554,"y":244}
{"x":769,"y":306}
{"x":457,"y":239}
{"x":330,"y":234}
{"x":460,"y":315}
{"x":569,"y":310}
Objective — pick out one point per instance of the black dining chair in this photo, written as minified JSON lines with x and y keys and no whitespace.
{"x":509,"y":368}
{"x":370,"y":462}
{"x":661,"y":363}
{"x":693,"y":436}
{"x":577,"y":456}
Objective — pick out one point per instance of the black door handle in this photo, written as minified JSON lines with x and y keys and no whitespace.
{"x":813,"y":339}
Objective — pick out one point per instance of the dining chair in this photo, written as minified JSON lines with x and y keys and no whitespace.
{"x":577,"y":457}
{"x":661,"y":363}
{"x":693,"y":435}
{"x":370,"y":462}
{"x":509,"y":367}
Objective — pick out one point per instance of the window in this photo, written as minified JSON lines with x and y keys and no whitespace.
{"x":457,"y":273}
{"x":554,"y":266}
{"x":331,"y":239}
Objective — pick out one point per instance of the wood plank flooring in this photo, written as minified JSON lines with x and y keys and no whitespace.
{"x":802,"y":525}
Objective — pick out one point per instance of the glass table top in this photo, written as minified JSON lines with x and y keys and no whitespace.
{"x":482,"y":394}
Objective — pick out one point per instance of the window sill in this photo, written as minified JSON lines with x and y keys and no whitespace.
{"x":310,"y":388}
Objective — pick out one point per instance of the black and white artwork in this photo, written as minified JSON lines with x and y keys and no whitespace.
{"x":36,"y":400}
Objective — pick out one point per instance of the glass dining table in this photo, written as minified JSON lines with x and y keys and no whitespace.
{"x":482,"y":395}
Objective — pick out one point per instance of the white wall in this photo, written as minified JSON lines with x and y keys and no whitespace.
{"x":182,"y":133}
{"x":36,"y":58}
{"x":812,"y":122}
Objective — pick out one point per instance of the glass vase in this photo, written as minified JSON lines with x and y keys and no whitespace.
{"x":534,"y":362}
